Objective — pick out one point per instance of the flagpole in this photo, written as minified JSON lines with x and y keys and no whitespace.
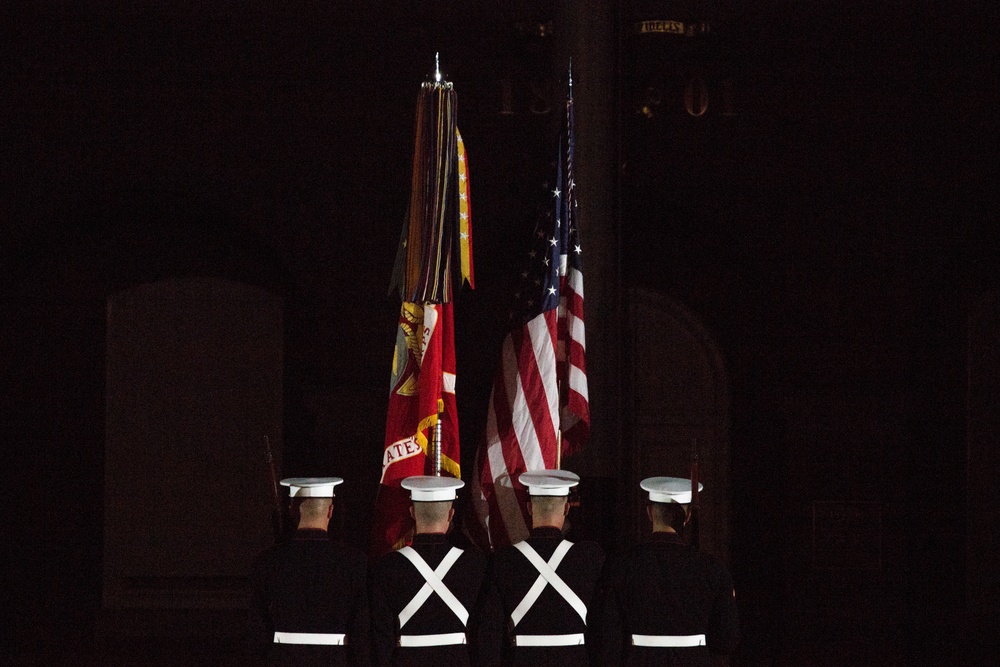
{"x":436,"y":440}
{"x":559,"y":383}
{"x":558,"y":449}
{"x":570,"y":76}
{"x":277,"y":526}
{"x":695,"y":537}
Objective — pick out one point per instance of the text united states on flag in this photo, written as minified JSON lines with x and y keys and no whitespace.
{"x":541,"y":386}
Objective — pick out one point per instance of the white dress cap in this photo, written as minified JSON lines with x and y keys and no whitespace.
{"x":669,"y":489}
{"x":549,"y":482}
{"x":428,"y":489}
{"x":311,"y":487}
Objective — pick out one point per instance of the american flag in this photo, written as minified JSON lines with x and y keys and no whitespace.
{"x":540,"y":391}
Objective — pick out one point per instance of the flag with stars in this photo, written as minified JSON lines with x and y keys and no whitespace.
{"x":539,"y":408}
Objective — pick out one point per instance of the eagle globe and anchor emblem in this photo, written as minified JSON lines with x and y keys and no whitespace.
{"x":416,"y":326}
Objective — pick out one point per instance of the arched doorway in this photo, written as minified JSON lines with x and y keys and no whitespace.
{"x":193,"y":385}
{"x":677,"y":395}
{"x":54,"y":342}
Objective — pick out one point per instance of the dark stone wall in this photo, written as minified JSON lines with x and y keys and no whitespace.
{"x":833,"y":234}
{"x":832,"y":228}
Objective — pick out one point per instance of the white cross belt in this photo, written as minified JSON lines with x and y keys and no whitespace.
{"x":433,"y":583}
{"x":312,"y":638}
{"x":668,"y":640}
{"x":547,"y":576}
{"x":549,"y":640}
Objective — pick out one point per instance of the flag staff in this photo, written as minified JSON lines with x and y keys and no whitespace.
{"x":570,"y":79}
{"x":272,"y":471}
{"x":559,"y":382}
{"x":436,"y":436}
{"x":695,"y":538}
{"x":559,"y":449}
{"x":436,"y":439}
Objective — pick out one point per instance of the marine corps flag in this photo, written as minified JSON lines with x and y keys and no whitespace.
{"x":436,"y":240}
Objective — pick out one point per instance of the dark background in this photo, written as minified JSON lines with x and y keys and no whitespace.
{"x":836,"y":233}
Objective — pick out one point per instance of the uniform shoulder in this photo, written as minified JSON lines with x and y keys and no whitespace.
{"x":504,"y":553}
{"x":713,"y":563}
{"x":469,"y":548}
{"x":388,"y":561}
{"x":589,"y":546}
{"x":474,"y":558}
{"x":621,"y":561}
{"x":270,"y":554}
{"x":389,"y":568}
{"x":587,"y":553}
{"x":350,"y":554}
{"x":617,"y":561}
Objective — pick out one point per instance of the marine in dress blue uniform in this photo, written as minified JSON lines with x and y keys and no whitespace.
{"x":431,"y":602}
{"x":310,"y":604}
{"x":665,"y":603}
{"x":545,"y":582}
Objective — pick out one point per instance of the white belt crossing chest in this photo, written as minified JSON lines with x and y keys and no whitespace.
{"x":433,"y":583}
{"x":547,"y":576}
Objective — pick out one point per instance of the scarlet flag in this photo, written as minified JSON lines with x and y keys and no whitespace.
{"x":423,"y":371}
{"x":436,"y":243}
{"x":540,"y":390}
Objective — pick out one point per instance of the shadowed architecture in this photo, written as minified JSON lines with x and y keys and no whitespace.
{"x":788,"y":221}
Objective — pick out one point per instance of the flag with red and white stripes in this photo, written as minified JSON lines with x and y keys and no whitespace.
{"x":539,"y":395}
